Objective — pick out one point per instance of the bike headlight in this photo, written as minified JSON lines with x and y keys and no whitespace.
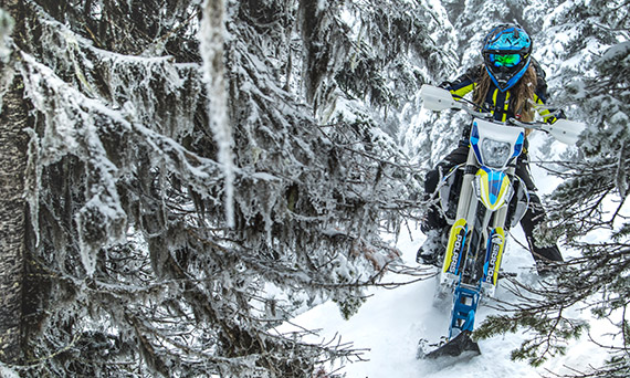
{"x":496,"y":154}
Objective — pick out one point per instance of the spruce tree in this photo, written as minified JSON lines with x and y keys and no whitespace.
{"x":195,"y":173}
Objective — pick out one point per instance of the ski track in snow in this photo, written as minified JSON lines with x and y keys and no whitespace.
{"x":391,"y":322}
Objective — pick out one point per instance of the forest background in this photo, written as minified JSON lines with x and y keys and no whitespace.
{"x":180,"y":177}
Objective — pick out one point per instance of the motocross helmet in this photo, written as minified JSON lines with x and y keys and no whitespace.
{"x":507,"y":54}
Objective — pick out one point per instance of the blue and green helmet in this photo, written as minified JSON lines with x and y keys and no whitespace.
{"x":507,"y":54}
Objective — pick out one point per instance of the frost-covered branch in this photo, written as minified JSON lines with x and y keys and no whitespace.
{"x":182,"y":199}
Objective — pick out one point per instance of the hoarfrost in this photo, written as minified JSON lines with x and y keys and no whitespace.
{"x":71,"y":123}
{"x":133,"y":173}
{"x":211,"y":37}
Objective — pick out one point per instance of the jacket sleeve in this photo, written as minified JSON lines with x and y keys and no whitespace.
{"x":460,"y":87}
{"x":463,"y":84}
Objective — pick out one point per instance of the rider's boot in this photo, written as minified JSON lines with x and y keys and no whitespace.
{"x":430,"y":250}
{"x":433,"y":226}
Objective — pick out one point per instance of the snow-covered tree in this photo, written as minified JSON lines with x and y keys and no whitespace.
{"x":167,"y":166}
{"x":428,"y":138}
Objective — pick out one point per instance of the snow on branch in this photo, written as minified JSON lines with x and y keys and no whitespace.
{"x":75,"y":125}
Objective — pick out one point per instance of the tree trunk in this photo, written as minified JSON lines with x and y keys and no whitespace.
{"x":13,"y":144}
{"x":13,"y":158}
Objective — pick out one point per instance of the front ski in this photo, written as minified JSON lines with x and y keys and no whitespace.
{"x":462,"y":320}
{"x":461,"y":346}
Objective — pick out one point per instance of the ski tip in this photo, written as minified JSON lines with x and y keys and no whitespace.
{"x":460,"y":347}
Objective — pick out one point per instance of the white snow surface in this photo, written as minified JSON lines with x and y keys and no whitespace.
{"x":392,"y":321}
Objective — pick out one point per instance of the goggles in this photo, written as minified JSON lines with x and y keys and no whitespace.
{"x":505,"y":60}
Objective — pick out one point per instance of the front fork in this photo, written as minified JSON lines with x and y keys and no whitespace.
{"x":459,"y":235}
{"x":466,"y":295}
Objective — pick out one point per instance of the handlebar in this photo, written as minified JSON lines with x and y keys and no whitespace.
{"x":469,"y":107}
{"x":438,"y":99}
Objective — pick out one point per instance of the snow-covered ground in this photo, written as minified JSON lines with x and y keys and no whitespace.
{"x":392,"y":321}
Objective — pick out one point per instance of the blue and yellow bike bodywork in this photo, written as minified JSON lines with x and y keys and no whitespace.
{"x":490,"y":200}
{"x":476,"y":242}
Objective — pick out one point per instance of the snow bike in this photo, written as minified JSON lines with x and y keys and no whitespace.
{"x":481,"y":200}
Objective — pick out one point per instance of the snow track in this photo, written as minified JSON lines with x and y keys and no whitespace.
{"x":391,"y":322}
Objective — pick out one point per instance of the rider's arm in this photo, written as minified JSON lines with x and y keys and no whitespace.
{"x":461,"y":87}
{"x":463,"y":84}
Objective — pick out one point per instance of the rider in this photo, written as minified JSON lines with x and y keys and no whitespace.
{"x":508,"y":83}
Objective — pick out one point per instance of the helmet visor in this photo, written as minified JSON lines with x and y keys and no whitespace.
{"x":505,"y":60}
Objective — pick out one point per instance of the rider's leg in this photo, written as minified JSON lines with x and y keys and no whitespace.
{"x":544,"y":255}
{"x":433,"y":218}
{"x":536,"y":216}
{"x":433,"y":223}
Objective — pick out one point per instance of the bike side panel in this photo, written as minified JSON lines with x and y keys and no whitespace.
{"x":492,"y":265}
{"x":455,"y":247}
